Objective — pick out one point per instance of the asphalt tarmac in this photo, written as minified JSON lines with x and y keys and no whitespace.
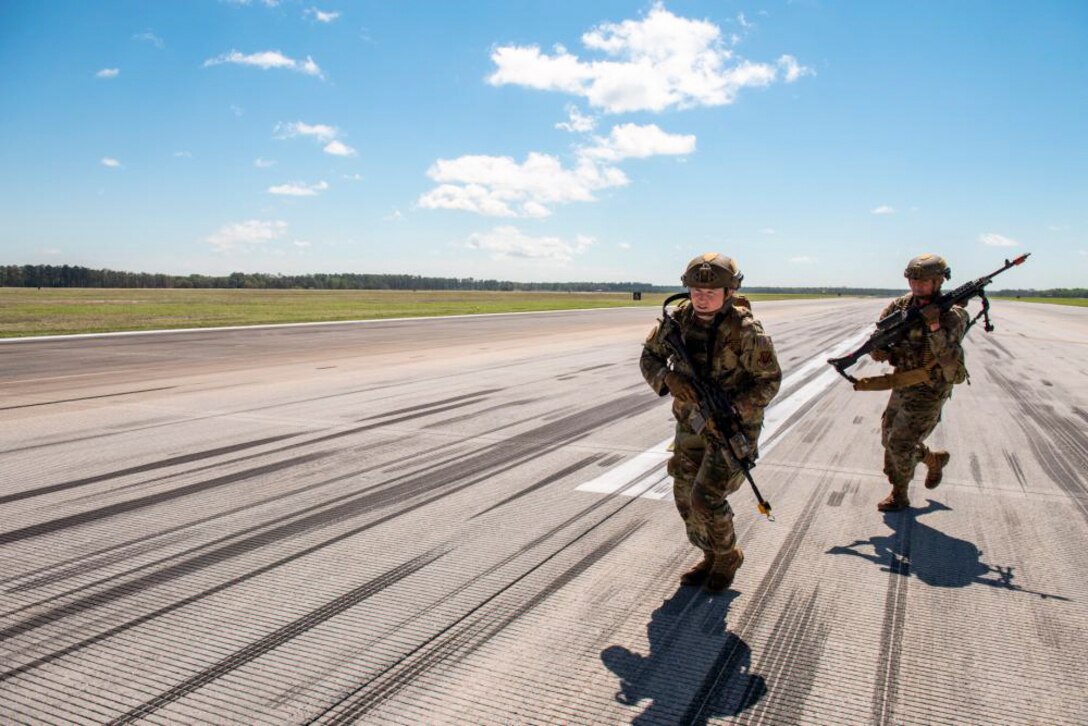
{"x":467,"y":520}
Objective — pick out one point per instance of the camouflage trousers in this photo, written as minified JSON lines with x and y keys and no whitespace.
{"x":703,"y":476}
{"x":911,"y":415}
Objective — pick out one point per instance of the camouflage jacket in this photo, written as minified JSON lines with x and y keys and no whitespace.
{"x":743,"y":362}
{"x":921,"y":345}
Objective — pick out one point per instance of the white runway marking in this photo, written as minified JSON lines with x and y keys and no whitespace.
{"x":801,"y":387}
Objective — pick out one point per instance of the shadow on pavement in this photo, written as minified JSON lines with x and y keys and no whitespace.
{"x":935,"y":558}
{"x":696,"y":669}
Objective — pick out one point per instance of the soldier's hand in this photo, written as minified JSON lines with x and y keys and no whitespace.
{"x":932,"y":315}
{"x":879,"y":355}
{"x":680,"y":387}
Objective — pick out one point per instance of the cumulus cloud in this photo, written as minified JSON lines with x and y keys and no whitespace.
{"x":883,"y":209}
{"x":246,"y":235}
{"x":661,"y":61}
{"x":321,"y":17}
{"x":298,"y":189}
{"x":338,"y":148}
{"x":509,"y":242}
{"x":628,"y":141}
{"x":577,"y":123}
{"x":108,"y":73}
{"x":111,"y":163}
{"x":996,"y":240}
{"x":267,"y":59}
{"x":148,"y":37}
{"x":499,"y":186}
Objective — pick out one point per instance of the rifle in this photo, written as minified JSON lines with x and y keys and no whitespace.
{"x":717,"y":417}
{"x":896,"y":325}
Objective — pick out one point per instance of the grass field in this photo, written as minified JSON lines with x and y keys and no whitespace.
{"x":59,"y":311}
{"x":1078,"y":301}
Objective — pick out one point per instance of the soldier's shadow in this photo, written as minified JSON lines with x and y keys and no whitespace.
{"x":696,"y":668}
{"x":935,"y":558}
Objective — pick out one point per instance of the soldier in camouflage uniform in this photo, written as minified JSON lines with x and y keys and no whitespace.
{"x":913,"y":411}
{"x":729,"y":346}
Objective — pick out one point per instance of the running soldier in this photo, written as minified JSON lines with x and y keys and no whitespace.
{"x":730,"y":350}
{"x":914,"y":410}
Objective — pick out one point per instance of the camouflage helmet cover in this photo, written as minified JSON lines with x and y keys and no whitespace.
{"x":712,"y":270}
{"x":928,"y":267}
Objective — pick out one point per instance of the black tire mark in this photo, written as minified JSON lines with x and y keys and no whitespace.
{"x":112,"y":510}
{"x":482,"y":411}
{"x":467,"y":633}
{"x":513,"y":453}
{"x":465,"y":399}
{"x":280,"y":636}
{"x":88,"y":398}
{"x":886,"y":689}
{"x":162,"y":464}
{"x":567,"y":471}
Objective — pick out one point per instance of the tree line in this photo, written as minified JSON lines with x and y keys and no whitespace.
{"x":76,"y":276}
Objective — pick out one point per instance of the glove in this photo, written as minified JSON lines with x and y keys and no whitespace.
{"x":879,"y":355}
{"x":932,"y":315}
{"x":680,"y":387}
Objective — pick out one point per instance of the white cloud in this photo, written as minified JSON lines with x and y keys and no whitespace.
{"x":509,"y":242}
{"x":624,"y":245}
{"x":108,"y":73}
{"x":577,"y":123}
{"x":338,"y":148}
{"x":321,"y":132}
{"x":245,"y":235}
{"x":793,"y":69}
{"x":883,"y":209}
{"x":659,"y":62}
{"x":111,"y":163}
{"x":149,"y":37}
{"x":320,"y":16}
{"x":633,"y":141}
{"x":262,"y":163}
{"x":802,"y":260}
{"x":183,"y":154}
{"x":267,"y":59}
{"x":498,"y":186}
{"x":353,"y":177}
{"x":394,"y":216}
{"x":996,"y":240}
{"x":298,"y":189}
{"x":302,"y":244}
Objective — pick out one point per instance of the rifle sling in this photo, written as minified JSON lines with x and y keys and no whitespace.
{"x":899,"y":379}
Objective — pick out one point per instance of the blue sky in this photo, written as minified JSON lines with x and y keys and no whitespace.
{"x":818,"y":142}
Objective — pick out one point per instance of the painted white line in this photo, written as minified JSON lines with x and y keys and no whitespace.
{"x":780,"y":416}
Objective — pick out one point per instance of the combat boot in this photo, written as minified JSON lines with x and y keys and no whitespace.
{"x":895,"y":501}
{"x":697,"y":575}
{"x":935,"y":461}
{"x":725,"y":568}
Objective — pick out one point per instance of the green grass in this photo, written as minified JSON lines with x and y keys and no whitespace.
{"x":59,"y":311}
{"x":1078,"y":301}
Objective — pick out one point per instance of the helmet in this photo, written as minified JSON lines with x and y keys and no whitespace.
{"x":928,"y":267}
{"x":712,"y":270}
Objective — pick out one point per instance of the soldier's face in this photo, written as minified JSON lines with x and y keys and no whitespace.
{"x":708,"y":301}
{"x":924,"y":288}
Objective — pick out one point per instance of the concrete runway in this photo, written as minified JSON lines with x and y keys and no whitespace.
{"x":467,"y":521}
